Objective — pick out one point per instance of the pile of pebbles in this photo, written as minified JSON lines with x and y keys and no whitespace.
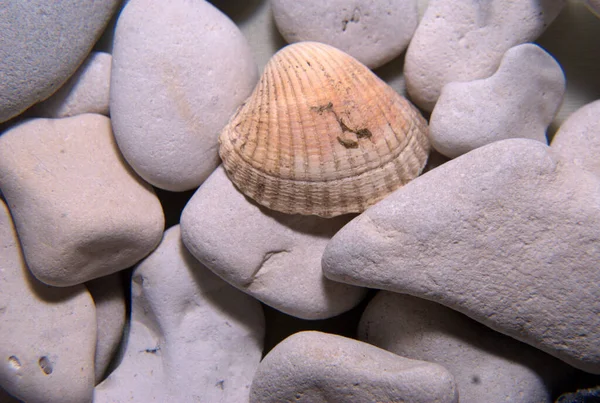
{"x":132,"y":269}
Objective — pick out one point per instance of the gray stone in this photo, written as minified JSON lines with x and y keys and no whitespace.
{"x":109,"y":299}
{"x":506,"y":234}
{"x":487,"y":366}
{"x":374,"y":32}
{"x":48,"y":334}
{"x":87,"y":91}
{"x":464,"y":41}
{"x":272,"y":256}
{"x":519,"y":100}
{"x":578,"y":139}
{"x":193,"y":338}
{"x":594,"y":6}
{"x":315,"y":367}
{"x":180,"y":69}
{"x":43,"y":44}
{"x":79,"y":210}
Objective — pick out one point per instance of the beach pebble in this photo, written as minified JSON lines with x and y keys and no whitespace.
{"x":374,"y":32}
{"x":109,"y":299}
{"x":506,"y":234}
{"x":48,"y":334}
{"x":465,"y":41}
{"x":272,"y":256}
{"x":578,"y":139}
{"x":519,"y":100}
{"x":315,"y":367}
{"x":87,"y":91}
{"x":79,"y":210}
{"x":193,"y":338}
{"x":47,"y":45}
{"x":180,"y":69}
{"x":487,"y":366}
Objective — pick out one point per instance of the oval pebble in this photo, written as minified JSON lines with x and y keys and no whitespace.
{"x":180,"y":69}
{"x":373,"y":32}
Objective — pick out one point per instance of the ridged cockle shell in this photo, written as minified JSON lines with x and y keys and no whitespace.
{"x":321,"y":134}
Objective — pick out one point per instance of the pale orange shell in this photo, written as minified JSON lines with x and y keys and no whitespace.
{"x":321,"y":134}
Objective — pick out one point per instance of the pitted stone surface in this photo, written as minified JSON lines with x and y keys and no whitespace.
{"x":43,"y":44}
{"x":79,"y":210}
{"x":315,"y":367}
{"x":193,"y":338}
{"x":180,"y":69}
{"x":47,"y":334}
{"x":87,"y":91}
{"x":519,"y":100}
{"x":464,"y":41}
{"x":272,"y":256}
{"x":487,"y":366}
{"x":578,"y":139}
{"x":373,"y":32}
{"x":491,"y":234}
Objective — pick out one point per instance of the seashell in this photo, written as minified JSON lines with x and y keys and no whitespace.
{"x":321,"y":134}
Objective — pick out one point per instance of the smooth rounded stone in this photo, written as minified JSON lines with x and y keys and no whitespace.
{"x":79,"y":210}
{"x":48,"y":334}
{"x":180,"y":69}
{"x":315,"y":367}
{"x":578,"y":139}
{"x":594,"y":6}
{"x":193,"y":338}
{"x":109,"y":298}
{"x":519,"y":100}
{"x":87,"y":91}
{"x":465,"y":41}
{"x":47,"y":45}
{"x":487,"y":366}
{"x":492,"y":234}
{"x":373,"y":32}
{"x":272,"y":256}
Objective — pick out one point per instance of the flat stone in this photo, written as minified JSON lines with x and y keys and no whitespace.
{"x":109,"y":298}
{"x":87,"y":91}
{"x":79,"y":210}
{"x":180,"y":69}
{"x":491,"y":234}
{"x":372,"y":32}
{"x":193,"y":338}
{"x":487,"y":366}
{"x":48,"y":334}
{"x":578,"y":139}
{"x":272,"y":256}
{"x":47,"y":45}
{"x":319,"y":367}
{"x":465,"y":41}
{"x":519,"y":100}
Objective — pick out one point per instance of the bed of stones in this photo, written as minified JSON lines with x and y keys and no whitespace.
{"x":133,"y":270}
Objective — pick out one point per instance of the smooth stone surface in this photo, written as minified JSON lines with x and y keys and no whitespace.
{"x":373,"y":32}
{"x":465,"y":41}
{"x":315,"y":367}
{"x":578,"y":51}
{"x":506,"y":234}
{"x":519,"y":100}
{"x":180,"y":69}
{"x":48,"y":334}
{"x":87,"y":91}
{"x":109,"y":299}
{"x":79,"y":210}
{"x":487,"y":366}
{"x":272,"y":256}
{"x":47,"y":45}
{"x":578,"y":139}
{"x":193,"y":338}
